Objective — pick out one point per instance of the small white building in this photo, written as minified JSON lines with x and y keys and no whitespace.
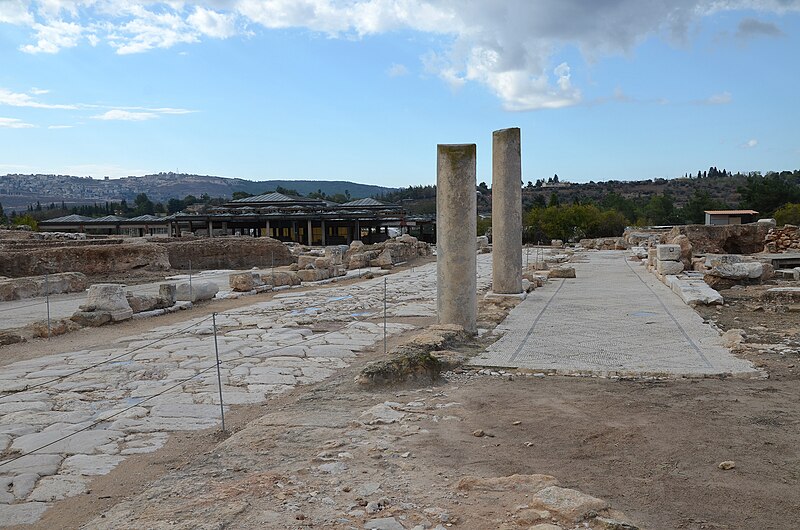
{"x":730,"y":217}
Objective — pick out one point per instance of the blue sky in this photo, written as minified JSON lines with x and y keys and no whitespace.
{"x":363,"y":90}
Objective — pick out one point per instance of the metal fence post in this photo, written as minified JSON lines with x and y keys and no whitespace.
{"x":219,"y":376}
{"x":384,"y":315}
{"x":47,"y":301}
{"x":190,"y":281}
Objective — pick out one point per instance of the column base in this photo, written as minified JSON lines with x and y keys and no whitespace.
{"x":500,"y":296}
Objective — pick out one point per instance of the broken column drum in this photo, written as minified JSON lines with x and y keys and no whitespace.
{"x":506,"y":212}
{"x":456,"y":226}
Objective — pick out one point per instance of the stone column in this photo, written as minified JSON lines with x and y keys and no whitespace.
{"x":310,"y":234}
{"x":269,"y":232}
{"x":324,"y":234}
{"x":456,"y":226}
{"x":506,"y":212}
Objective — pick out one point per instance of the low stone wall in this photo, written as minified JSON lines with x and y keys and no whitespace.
{"x":785,"y":238}
{"x":603,"y":243}
{"x":30,"y":287}
{"x":235,"y":252}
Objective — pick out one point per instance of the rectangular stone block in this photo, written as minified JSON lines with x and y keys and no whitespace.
{"x":666,"y":267}
{"x":668,"y":252}
{"x":651,"y":257}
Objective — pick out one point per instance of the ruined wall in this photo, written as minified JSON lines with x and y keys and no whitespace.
{"x":785,"y":238}
{"x":87,"y":259}
{"x":724,"y":239}
{"x":233,"y":252}
{"x":604,"y":243}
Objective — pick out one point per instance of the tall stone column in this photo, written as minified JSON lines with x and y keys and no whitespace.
{"x":506,"y":212}
{"x":456,"y":227}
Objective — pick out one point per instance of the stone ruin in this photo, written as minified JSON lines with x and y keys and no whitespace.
{"x":386,"y":254}
{"x":109,"y":302}
{"x":786,"y":238}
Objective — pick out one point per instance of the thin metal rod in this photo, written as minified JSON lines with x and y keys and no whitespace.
{"x":219,"y":376}
{"x":47,"y":300}
{"x":384,"y":315}
{"x":272,"y":267}
{"x":191,"y":296}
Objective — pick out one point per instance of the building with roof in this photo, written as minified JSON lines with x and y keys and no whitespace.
{"x":730,"y":217}
{"x":276,"y":215}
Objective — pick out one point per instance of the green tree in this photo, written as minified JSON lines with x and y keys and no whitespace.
{"x":768,"y":193}
{"x":553,"y":200}
{"x":694,"y":210}
{"x":788,"y":214}
{"x":240,"y":195}
{"x":26,"y":219}
{"x":143,"y":205}
{"x":484,"y":223}
{"x":3,"y":219}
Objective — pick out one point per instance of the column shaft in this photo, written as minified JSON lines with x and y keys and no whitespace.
{"x":506,"y":212}
{"x":456,"y":227}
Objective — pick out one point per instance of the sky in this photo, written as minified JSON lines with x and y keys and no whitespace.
{"x":363,"y":90}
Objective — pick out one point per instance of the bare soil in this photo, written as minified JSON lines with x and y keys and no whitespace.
{"x":650,"y":448}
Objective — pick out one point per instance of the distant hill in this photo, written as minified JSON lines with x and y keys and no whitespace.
{"x":18,"y":191}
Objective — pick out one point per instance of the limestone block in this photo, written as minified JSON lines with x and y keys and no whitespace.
{"x":639,"y":252}
{"x":482,"y":242}
{"x":313,"y":275}
{"x":556,"y":243}
{"x":201,"y":290}
{"x":109,"y":297}
{"x":245,"y":281}
{"x":562,"y":272}
{"x":280,"y":278}
{"x":723,"y":259}
{"x":651,"y":257}
{"x":738,"y":271}
{"x":666,"y":267}
{"x":356,"y":245}
{"x":91,"y":319}
{"x":384,"y":259}
{"x":143,"y":302}
{"x":323,"y":263}
{"x":305,"y":260}
{"x":358,"y":261}
{"x":169,"y":293}
{"x":407,"y":239}
{"x":668,"y":252}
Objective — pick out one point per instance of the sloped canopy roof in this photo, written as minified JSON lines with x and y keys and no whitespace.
{"x":108,"y":219}
{"x":74,"y":218}
{"x":365,"y":202}
{"x":275,"y":197}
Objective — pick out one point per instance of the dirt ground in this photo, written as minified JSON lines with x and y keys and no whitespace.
{"x":651,"y":449}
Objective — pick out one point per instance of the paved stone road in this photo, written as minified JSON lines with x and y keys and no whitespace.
{"x":613,"y":319}
{"x":265,"y":348}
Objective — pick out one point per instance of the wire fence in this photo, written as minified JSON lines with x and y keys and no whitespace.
{"x":45,"y":303}
{"x":215,"y":359}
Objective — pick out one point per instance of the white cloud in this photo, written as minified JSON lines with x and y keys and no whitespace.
{"x":18,"y":99}
{"x":60,"y":126}
{"x":54,"y":36}
{"x":510,"y":46}
{"x":720,"y":99}
{"x":38,"y":91}
{"x":213,"y":24}
{"x":125,"y":115}
{"x":749,"y":144}
{"x":15,"y":12}
{"x":14,"y":123}
{"x":397,"y":70}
